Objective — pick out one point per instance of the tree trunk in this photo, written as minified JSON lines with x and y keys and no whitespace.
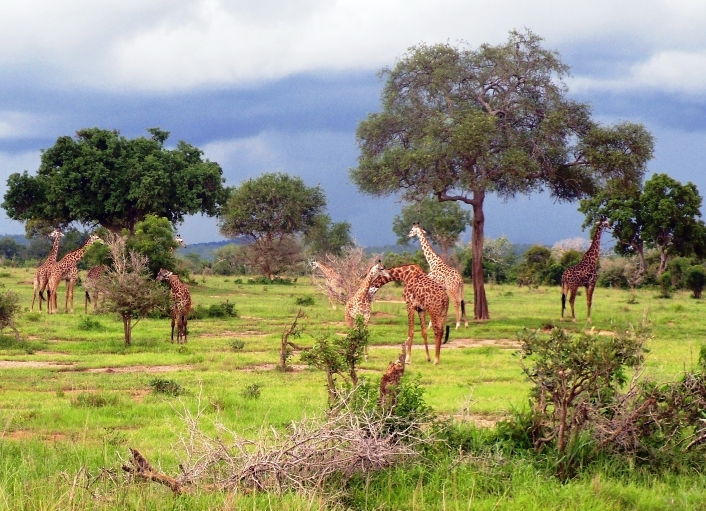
{"x":477,"y":237}
{"x":127,"y":329}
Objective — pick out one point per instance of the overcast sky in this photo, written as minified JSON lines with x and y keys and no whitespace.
{"x":281,"y":85}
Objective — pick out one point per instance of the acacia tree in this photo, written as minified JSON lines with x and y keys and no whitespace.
{"x":271,"y":211}
{"x":662,"y":214}
{"x":101,"y":177}
{"x":460,"y":124}
{"x":443,"y":221}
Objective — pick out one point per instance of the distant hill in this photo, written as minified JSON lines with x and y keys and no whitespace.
{"x":206,"y":250}
{"x":18,"y":238}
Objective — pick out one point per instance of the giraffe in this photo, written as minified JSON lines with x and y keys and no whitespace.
{"x":421,"y":294}
{"x":442,"y":273}
{"x":333,"y":283}
{"x":179,"y":241}
{"x":181,"y":305}
{"x":90,"y":284}
{"x":41,"y":276}
{"x":585,"y":273}
{"x":359,"y":303}
{"x":67,"y":270}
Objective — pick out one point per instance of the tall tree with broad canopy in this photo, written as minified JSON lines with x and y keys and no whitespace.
{"x":271,"y":211}
{"x":328,"y":237}
{"x":460,"y":124}
{"x":443,"y":221}
{"x":662,"y":214}
{"x":101,"y":177}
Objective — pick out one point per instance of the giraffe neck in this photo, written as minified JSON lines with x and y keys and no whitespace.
{"x":72,"y":258}
{"x":364,"y":286}
{"x":174,"y":282}
{"x":326,"y":270}
{"x":51,"y":258}
{"x":593,"y":251}
{"x":398,"y":273}
{"x":432,"y":258}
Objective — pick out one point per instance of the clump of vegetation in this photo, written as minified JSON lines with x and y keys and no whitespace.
{"x":88,"y":323}
{"x":9,"y":307}
{"x":283,"y":281}
{"x":305,"y":301}
{"x":168,"y":387}
{"x":94,"y":400}
{"x":215,"y":310}
{"x":237,"y":345}
{"x":252,"y":391}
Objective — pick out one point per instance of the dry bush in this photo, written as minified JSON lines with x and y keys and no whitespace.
{"x":308,"y":455}
{"x":349,"y":267}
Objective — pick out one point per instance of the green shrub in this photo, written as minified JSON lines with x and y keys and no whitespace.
{"x":252,"y":391}
{"x":88,"y":323}
{"x":94,"y":400}
{"x":284,"y":281}
{"x":237,"y":345}
{"x":695,"y":280}
{"x":305,"y":301}
{"x":168,"y":387}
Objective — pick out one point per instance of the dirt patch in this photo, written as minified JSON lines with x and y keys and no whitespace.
{"x":459,"y":343}
{"x":382,"y":315}
{"x":33,"y":364}
{"x":139,"y":369}
{"x":230,"y":333}
{"x":271,"y":367}
{"x":22,"y":434}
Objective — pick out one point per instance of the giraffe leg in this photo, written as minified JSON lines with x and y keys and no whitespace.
{"x":572,"y":299}
{"x":410,"y":333}
{"x":423,"y":322}
{"x":438,"y":334}
{"x":70,"y":293}
{"x":589,"y":299}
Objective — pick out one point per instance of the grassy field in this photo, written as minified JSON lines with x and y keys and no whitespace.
{"x":73,"y":397}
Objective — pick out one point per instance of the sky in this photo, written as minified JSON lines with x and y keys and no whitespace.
{"x":281,"y":85}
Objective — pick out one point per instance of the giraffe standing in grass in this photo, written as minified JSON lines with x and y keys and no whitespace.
{"x":90,"y":284}
{"x":585,"y":273}
{"x":442,"y":273}
{"x":41,"y":276}
{"x":421,"y":294}
{"x":359,"y":303}
{"x":67,"y":270}
{"x":181,"y":304}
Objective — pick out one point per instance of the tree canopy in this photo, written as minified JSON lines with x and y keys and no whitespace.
{"x":460,"y":123}
{"x":328,"y":237}
{"x":101,"y":177}
{"x":443,"y":221}
{"x":272,"y":211}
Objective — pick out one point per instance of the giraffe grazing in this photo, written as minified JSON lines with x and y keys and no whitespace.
{"x":90,"y":284}
{"x":181,"y":304}
{"x":359,"y":303}
{"x":334,"y":283}
{"x":67,"y":270}
{"x":41,"y":276}
{"x":442,"y":273}
{"x":421,"y":294}
{"x":585,"y":273}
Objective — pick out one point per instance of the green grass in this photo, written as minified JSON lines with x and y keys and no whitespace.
{"x":73,"y":397}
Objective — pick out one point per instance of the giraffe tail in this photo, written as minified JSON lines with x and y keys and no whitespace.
{"x":463,"y":307}
{"x":446,"y":338}
{"x":563,"y":300}
{"x":88,"y":297}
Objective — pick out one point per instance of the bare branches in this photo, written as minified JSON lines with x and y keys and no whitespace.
{"x":346,"y":272}
{"x":305,"y":457}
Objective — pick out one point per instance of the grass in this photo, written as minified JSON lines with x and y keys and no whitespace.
{"x":73,"y":397}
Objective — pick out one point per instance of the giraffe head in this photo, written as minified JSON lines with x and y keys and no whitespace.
{"x":93,"y":238}
{"x":416,"y":231}
{"x":179,"y":240}
{"x":603,"y":223}
{"x":56,"y":232}
{"x":163,"y":274}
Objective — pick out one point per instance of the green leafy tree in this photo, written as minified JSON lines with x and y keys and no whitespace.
{"x":271,"y":211}
{"x":444,"y":222}
{"x":328,"y":237}
{"x":459,"y":124}
{"x":663,"y":214}
{"x":101,"y":177}
{"x":10,"y":249}
{"x":154,"y":239}
{"x":695,"y":280}
{"x":535,"y":269}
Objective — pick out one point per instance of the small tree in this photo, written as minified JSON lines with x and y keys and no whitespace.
{"x":9,"y":307}
{"x":696,"y":280}
{"x":129,"y":289}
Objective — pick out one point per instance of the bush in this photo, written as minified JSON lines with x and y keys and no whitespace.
{"x":94,"y":400}
{"x":237,"y":345}
{"x":215,"y":310}
{"x":168,"y":387}
{"x":695,"y":280}
{"x":88,"y":323}
{"x":305,"y":301}
{"x":252,"y":391}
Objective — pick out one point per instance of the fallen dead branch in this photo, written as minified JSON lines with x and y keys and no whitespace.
{"x":303,"y":458}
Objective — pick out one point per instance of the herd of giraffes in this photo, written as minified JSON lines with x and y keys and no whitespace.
{"x":52,"y":272}
{"x":430,"y":292}
{"x":424,"y":293}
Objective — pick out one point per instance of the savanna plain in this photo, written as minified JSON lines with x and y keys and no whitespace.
{"x":74,"y":399}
